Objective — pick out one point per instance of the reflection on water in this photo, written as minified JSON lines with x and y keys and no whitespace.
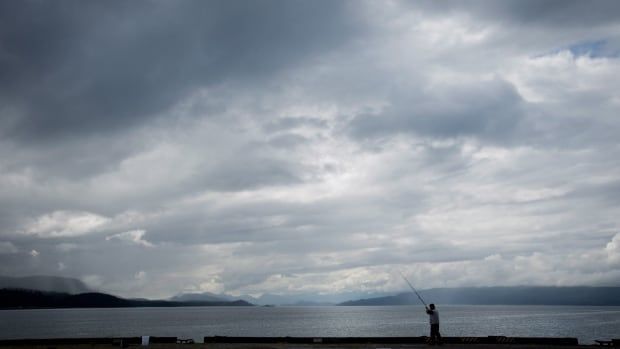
{"x":585,"y":323}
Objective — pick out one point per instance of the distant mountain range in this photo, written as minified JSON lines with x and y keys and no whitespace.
{"x":200,"y":297}
{"x":306,"y":299}
{"x":523,"y":295}
{"x":45,"y":283}
{"x":20,"y":298}
{"x":55,"y":292}
{"x":520,"y":295}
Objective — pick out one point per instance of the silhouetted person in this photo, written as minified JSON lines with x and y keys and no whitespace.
{"x":433,"y":317}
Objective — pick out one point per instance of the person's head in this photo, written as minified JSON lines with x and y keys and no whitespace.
{"x":432,"y":306}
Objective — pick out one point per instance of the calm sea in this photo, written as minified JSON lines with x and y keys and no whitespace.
{"x":585,"y":323}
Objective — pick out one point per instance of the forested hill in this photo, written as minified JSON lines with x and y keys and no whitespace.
{"x":503,"y":295}
{"x":19,"y":298}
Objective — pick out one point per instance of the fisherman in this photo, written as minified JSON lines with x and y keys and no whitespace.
{"x":433,"y":317}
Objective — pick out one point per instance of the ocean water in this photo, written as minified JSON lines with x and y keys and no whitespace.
{"x":584,"y":322}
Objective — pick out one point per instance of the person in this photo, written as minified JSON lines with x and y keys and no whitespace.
{"x":433,"y":317}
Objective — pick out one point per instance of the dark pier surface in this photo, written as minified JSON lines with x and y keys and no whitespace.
{"x":220,"y":342}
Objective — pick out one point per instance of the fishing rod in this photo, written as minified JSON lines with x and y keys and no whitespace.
{"x":413,"y":288}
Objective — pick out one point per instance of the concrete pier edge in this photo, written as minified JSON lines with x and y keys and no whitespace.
{"x":562,"y":341}
{"x":214,"y":341}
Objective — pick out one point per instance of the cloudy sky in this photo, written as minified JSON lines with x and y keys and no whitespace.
{"x":156,"y":147}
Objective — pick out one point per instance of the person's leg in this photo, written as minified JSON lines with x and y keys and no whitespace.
{"x":439,"y":341}
{"x":433,"y":338}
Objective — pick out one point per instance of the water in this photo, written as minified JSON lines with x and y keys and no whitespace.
{"x":585,"y":323}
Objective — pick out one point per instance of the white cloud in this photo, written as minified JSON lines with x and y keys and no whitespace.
{"x":213,"y":285}
{"x":613,"y":250}
{"x":561,"y":77}
{"x":66,"y":223}
{"x":93,"y":281}
{"x":132,"y":236}
{"x":141,"y":275}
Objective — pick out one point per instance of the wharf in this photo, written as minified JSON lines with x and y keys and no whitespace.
{"x":219,"y":342}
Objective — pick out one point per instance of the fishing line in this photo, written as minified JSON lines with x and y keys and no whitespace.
{"x":413,"y":288}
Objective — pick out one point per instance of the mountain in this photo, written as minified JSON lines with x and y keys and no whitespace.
{"x":200,"y":297}
{"x":45,"y":283}
{"x":308,"y":299}
{"x":399,"y":299}
{"x":20,"y":298}
{"x":522,"y":295}
{"x":299,"y":299}
{"x":309,"y":304}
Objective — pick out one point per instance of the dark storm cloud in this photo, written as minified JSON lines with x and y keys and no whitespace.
{"x":72,"y":68}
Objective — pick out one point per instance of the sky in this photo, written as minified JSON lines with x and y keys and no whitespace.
{"x":150,"y":148}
